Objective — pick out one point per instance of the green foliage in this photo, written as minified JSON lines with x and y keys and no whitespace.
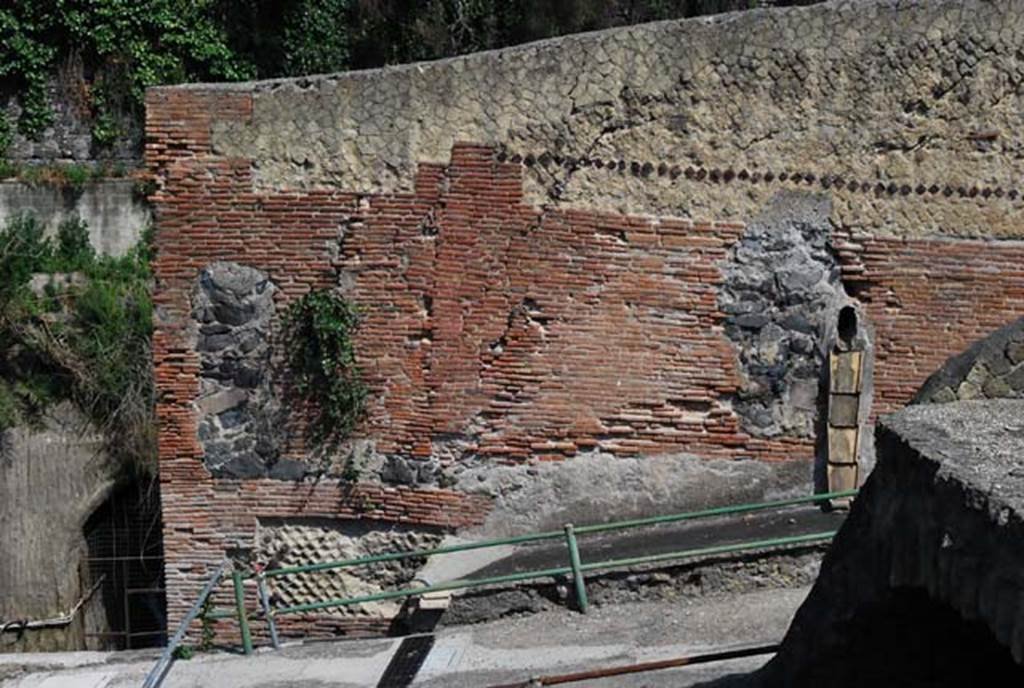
{"x":74,"y":175}
{"x":322,"y":360}
{"x":27,"y":60}
{"x":9,"y":406}
{"x":77,"y":176}
{"x":315,"y":40}
{"x":84,"y":337}
{"x":127,"y":44}
{"x":73,"y":251}
{"x":7,"y":169}
{"x":184,"y":652}
{"x":207,"y":632}
{"x":6,"y":134}
{"x":23,"y":250}
{"x":105,"y":127}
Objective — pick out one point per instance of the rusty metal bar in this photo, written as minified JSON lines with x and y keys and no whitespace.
{"x":591,"y":674}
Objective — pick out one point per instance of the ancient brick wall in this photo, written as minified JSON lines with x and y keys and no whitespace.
{"x":644,"y":275}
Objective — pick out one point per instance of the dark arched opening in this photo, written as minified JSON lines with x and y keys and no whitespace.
{"x":846,"y":326}
{"x":124,"y":537}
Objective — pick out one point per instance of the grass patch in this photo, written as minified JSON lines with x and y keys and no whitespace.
{"x":75,"y":176}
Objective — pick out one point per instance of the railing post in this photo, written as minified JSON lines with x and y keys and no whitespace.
{"x":243,"y":621}
{"x":157,"y":673}
{"x":577,"y":572}
{"x":268,"y":611}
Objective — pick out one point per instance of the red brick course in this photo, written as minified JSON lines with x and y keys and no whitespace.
{"x":527,"y":333}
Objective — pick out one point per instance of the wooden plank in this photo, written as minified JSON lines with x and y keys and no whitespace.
{"x":842,"y":445}
{"x":842,"y":477}
{"x":845,"y":367}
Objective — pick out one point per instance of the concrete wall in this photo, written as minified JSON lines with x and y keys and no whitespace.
{"x":622,"y":246}
{"x":940,"y":520}
{"x":115,"y":213}
{"x":51,"y":479}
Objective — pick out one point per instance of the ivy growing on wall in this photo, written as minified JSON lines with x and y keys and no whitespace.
{"x":125,"y":45}
{"x":321,"y":356}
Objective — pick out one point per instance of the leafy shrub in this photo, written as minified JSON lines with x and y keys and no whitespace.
{"x":23,"y":252}
{"x":138,"y":44}
{"x":6,"y":134}
{"x":73,"y":251}
{"x":86,"y":341}
{"x":8,"y":169}
{"x":76,"y":176}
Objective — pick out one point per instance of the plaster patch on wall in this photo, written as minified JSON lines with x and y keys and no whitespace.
{"x":595,"y":486}
{"x":781,"y":290}
{"x":295,"y":541}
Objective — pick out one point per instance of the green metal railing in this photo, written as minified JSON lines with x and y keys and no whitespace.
{"x":576,"y":567}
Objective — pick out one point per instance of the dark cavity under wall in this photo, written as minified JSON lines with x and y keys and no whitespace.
{"x":125,"y":549}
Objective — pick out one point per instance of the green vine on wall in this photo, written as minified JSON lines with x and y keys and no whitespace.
{"x":321,"y":357}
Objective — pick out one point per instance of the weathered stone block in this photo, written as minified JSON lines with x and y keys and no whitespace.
{"x":997,"y":388}
{"x":968,"y":391}
{"x":843,"y":410}
{"x":842,"y":477}
{"x":1015,"y":351}
{"x":221,"y":401}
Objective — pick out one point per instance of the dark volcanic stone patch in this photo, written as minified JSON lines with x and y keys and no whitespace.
{"x":992,"y":368}
{"x":780,"y":294}
{"x":239,"y":428}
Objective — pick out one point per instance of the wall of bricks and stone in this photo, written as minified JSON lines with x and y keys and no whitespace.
{"x":549,"y":243}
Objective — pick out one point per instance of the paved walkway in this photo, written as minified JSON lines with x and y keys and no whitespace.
{"x":464,"y":657}
{"x":670,"y":537}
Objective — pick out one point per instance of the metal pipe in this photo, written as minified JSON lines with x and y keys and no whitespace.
{"x":592,"y":674}
{"x":717,"y":549}
{"x":268,"y":611}
{"x":156,"y":675}
{"x":409,"y":592}
{"x":553,"y":535}
{"x":391,"y":556}
{"x":243,"y":621}
{"x":55,"y":621}
{"x":577,"y":571}
{"x":716,"y":511}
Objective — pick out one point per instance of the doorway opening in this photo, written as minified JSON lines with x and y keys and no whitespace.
{"x":124,"y":539}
